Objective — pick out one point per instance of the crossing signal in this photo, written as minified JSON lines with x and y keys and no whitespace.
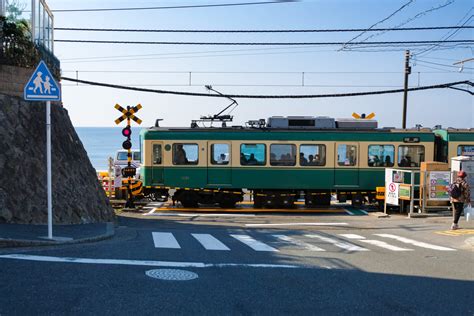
{"x":128,"y":171}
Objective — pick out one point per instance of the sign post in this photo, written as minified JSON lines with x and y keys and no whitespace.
{"x":39,"y":89}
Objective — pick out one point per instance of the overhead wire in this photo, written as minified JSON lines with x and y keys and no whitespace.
{"x":304,"y":96}
{"x":174,"y":7}
{"x":377,"y":23}
{"x":447,"y":35}
{"x":257,"y":43}
{"x":428,"y":28}
{"x":417,"y":16}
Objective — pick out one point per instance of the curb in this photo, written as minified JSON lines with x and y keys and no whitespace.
{"x":11,"y":243}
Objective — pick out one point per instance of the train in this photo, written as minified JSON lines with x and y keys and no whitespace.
{"x":284,"y":159}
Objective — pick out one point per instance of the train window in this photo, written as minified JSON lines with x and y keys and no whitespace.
{"x":282,"y":155}
{"x":465,"y":150}
{"x":252,"y":154}
{"x":410,"y":156}
{"x":312,"y":155}
{"x":381,"y":155}
{"x":137,"y":156}
{"x":220,"y":154}
{"x":346,"y":155}
{"x":185,"y":154}
{"x":157,"y":154}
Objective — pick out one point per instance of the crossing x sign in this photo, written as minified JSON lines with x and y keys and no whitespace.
{"x":128,"y":113}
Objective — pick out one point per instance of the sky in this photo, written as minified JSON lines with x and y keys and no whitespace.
{"x":264,"y":70}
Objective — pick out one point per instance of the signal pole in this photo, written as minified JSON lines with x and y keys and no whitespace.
{"x":129,"y":171}
{"x":405,"y":93}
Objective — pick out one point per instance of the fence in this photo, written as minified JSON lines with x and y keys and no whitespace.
{"x":17,"y":49}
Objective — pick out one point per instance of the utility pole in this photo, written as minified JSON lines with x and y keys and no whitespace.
{"x":405,"y":93}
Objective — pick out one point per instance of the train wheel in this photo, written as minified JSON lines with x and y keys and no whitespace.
{"x":188,"y":199}
{"x":227,"y":204}
{"x":358,"y":200}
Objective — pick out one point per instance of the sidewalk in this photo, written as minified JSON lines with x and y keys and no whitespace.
{"x":21,"y":235}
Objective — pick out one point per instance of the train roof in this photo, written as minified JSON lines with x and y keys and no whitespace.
{"x":237,"y":133}
{"x":303,"y":128}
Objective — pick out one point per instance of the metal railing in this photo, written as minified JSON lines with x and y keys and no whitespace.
{"x":17,"y":49}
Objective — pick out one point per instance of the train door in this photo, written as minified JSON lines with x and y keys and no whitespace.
{"x":157,"y":163}
{"x":219,"y":170}
{"x":346,"y":165}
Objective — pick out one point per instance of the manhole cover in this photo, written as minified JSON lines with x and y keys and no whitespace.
{"x":171,"y":274}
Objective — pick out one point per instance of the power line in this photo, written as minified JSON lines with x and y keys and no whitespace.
{"x":239,"y":72}
{"x":258,"y":43}
{"x":176,"y":7}
{"x":307,"y":96}
{"x":417,"y":16}
{"x":449,"y":34}
{"x":379,"y":22}
{"x":438,"y":64}
{"x":262,"y":31}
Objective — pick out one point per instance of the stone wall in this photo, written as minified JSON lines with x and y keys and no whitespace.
{"x":77,"y":195}
{"x":13,"y":79}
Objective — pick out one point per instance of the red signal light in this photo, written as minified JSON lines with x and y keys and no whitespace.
{"x":127,"y":131}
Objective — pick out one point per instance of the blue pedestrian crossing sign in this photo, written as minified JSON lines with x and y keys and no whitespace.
{"x":42,"y":86}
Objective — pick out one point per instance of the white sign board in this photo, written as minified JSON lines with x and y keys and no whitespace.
{"x":391,"y":188}
{"x":117,"y":177}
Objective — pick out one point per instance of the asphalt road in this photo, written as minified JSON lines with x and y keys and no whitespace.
{"x":244,"y":264}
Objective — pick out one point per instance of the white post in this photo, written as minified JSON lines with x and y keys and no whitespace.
{"x":3,"y":10}
{"x":412,"y":191}
{"x":48,"y":168}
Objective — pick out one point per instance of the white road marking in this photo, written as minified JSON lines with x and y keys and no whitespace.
{"x":348,"y":212}
{"x":344,"y":245}
{"x":415,"y":243}
{"x":297,"y":224}
{"x":152,"y":211}
{"x":254,"y":244}
{"x":198,"y":215}
{"x":299,"y":243}
{"x":209,"y":242}
{"x":165,"y":240}
{"x":352,"y":236}
{"x":383,"y":244}
{"x":147,"y":262}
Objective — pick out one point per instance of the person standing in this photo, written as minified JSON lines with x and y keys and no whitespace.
{"x":459,"y":198}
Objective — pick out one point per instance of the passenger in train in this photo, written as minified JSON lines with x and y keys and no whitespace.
{"x":405,"y":162}
{"x":388,"y":161}
{"x":180,"y":155}
{"x":303,"y":160}
{"x":243,"y":159}
{"x":252,"y":160}
{"x":311,"y":160}
{"x":317,"y":160}
{"x":222,"y":160}
{"x":376,"y":161}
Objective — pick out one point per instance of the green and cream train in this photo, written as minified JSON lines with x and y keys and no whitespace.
{"x":287,"y":158}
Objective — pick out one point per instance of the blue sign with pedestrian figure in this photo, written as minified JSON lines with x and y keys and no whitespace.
{"x":42,"y":86}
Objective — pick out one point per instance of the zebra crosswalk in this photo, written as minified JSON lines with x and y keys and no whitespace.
{"x":314,"y":242}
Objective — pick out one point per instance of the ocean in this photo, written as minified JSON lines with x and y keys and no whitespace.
{"x":102,"y":143}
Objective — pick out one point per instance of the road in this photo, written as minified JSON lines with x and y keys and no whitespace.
{"x":247,"y":264}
